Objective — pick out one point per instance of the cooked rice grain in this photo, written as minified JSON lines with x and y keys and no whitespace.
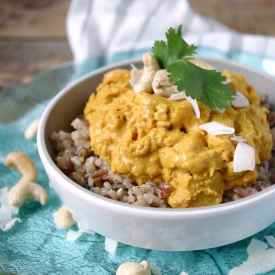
{"x":78,"y":162}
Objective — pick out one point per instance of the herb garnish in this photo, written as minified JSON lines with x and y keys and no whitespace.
{"x":205,"y":85}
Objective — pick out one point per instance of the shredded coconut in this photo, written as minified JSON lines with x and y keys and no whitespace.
{"x":270,"y":240}
{"x":135,"y":75}
{"x":227,"y":81}
{"x":238,"y":138}
{"x":193,"y":102}
{"x":195,"y":106}
{"x":110,"y":246}
{"x":8,"y":223}
{"x":7,"y":211}
{"x":177,"y":96}
{"x":155,"y":269}
{"x":256,"y":247}
{"x":72,"y":235}
{"x":244,"y":158}
{"x":215,"y":128}
{"x":260,"y":260}
{"x":55,"y":220}
{"x":240,"y":100}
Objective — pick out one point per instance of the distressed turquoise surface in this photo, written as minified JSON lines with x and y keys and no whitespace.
{"x":35,"y":246}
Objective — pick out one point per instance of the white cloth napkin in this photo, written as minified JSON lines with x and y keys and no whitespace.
{"x":105,"y":27}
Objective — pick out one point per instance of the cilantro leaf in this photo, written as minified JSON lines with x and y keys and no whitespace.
{"x":205,"y":85}
{"x":176,"y":48}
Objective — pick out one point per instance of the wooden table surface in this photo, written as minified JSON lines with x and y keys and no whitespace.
{"x":33,"y":35}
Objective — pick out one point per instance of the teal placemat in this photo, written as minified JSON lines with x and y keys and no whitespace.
{"x":35,"y":246}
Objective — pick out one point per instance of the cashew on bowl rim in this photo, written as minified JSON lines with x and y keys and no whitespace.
{"x":153,"y":79}
{"x":151,"y":66}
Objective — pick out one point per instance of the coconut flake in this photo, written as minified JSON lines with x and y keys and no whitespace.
{"x":3,"y":191}
{"x":195,"y":106}
{"x":7,"y":211}
{"x":183,"y":273}
{"x":238,"y":138}
{"x":193,"y":102}
{"x":256,"y":247}
{"x":110,"y":246}
{"x":260,"y":260}
{"x":155,"y":269}
{"x":240,"y":100}
{"x":8,"y":223}
{"x":270,"y":240}
{"x":82,"y":228}
{"x":135,"y":75}
{"x":215,"y":128}
{"x":227,"y":81}
{"x":81,"y":225}
{"x":55,"y":220}
{"x":5,"y":214}
{"x":244,"y":158}
{"x":200,"y":63}
{"x":72,"y":235}
{"x":178,"y":96}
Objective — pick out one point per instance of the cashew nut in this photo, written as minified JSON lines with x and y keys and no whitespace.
{"x":151,"y":66}
{"x":161,"y":84}
{"x":18,"y":161}
{"x":200,"y":63}
{"x":64,"y":218}
{"x":26,"y":191}
{"x":163,"y":87}
{"x":132,"y":268}
{"x":31,"y":130}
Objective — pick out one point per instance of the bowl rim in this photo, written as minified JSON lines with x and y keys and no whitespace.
{"x":169,"y":213}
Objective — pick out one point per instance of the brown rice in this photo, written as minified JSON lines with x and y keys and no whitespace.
{"x":78,"y":162}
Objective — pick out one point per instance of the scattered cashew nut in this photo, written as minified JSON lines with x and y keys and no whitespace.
{"x":25,"y":189}
{"x":151,"y":66}
{"x":31,"y":130}
{"x":64,"y":218}
{"x":200,"y":63}
{"x":18,"y":161}
{"x":131,"y":268}
{"x":161,"y":84}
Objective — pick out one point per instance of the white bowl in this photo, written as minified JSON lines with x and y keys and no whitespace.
{"x":152,"y":228}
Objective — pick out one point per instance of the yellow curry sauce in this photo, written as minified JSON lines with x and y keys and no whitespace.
{"x":149,"y":137}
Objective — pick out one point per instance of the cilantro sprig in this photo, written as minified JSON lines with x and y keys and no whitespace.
{"x":205,"y":85}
